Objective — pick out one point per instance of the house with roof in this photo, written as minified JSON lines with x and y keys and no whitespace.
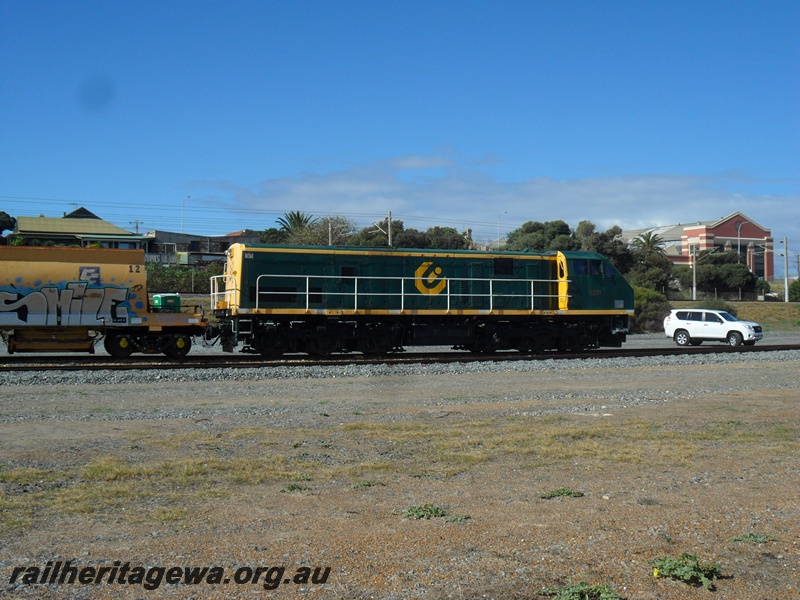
{"x":78,"y":228}
{"x":735,"y":233}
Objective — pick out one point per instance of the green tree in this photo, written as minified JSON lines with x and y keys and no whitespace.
{"x":648,"y":244}
{"x":653,"y":272}
{"x":273,"y":236}
{"x":609,"y":243}
{"x":794,"y":291}
{"x":375,"y":235}
{"x":540,"y":237}
{"x":163,"y":279}
{"x":332,"y":230}
{"x":447,"y":238}
{"x":718,"y":272}
{"x":293,"y":223}
{"x":7,"y":222}
{"x":651,"y":268}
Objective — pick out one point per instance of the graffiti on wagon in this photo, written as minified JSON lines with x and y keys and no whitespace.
{"x":73,"y":303}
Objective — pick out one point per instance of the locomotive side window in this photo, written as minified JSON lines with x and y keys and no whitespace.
{"x":594,"y":267}
{"x":503,"y":266}
{"x":579,"y":267}
{"x":608,"y":270}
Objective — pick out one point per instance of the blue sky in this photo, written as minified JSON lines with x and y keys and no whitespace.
{"x":469,"y":114}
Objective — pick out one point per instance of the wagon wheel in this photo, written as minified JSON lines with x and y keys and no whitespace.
{"x":118,"y":345}
{"x":178,"y":346}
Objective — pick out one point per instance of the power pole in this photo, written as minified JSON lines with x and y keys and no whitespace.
{"x":137,"y":222}
{"x":786,"y":269}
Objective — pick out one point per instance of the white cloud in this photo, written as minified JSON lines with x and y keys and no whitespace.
{"x":468,"y":198}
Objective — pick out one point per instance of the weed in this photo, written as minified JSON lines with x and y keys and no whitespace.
{"x":360,"y":485}
{"x":687,"y":568}
{"x":166,"y":515}
{"x":755,"y":538}
{"x":565,"y":492}
{"x":293,"y":487}
{"x":25,"y":475}
{"x":581,"y":591}
{"x":425,"y":511}
{"x":457,"y":519}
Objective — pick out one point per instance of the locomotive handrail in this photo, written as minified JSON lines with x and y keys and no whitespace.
{"x":227,"y":295}
{"x":402,"y":294}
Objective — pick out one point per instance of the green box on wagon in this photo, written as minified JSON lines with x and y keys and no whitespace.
{"x":166,"y":303}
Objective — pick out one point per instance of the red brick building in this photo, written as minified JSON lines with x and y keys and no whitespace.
{"x":734,"y":233}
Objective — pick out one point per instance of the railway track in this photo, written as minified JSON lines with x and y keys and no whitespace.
{"x":245,"y":361}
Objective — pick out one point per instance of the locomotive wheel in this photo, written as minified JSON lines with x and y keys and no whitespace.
{"x":179,"y":346}
{"x":375,"y":346}
{"x":320,"y":346}
{"x":118,"y":345}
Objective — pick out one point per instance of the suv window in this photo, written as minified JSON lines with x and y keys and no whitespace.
{"x":682,"y":315}
{"x":713,"y":318}
{"x":695,"y":316}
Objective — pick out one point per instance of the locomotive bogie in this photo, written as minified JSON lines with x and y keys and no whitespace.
{"x":317,"y":300}
{"x":68,"y":299}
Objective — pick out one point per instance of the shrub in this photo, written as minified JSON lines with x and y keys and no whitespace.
{"x":650,"y":309}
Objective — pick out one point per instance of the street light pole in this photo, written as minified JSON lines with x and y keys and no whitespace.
{"x":739,"y":241}
{"x":785,"y":243}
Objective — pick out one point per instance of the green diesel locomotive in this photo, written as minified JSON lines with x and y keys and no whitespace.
{"x":318,"y":300}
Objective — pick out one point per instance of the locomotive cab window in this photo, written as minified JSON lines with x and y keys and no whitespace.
{"x":608,"y":270}
{"x":579,"y":267}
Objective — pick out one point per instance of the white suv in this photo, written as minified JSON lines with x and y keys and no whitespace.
{"x":697,"y":325}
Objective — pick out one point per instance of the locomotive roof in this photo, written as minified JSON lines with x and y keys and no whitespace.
{"x":421,"y":251}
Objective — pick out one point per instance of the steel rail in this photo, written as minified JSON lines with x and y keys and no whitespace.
{"x":246,"y":361}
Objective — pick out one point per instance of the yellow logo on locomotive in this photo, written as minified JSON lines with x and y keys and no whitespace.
{"x":428,"y":280}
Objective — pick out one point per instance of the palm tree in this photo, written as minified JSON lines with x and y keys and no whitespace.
{"x":649,"y":244}
{"x":295,"y":221}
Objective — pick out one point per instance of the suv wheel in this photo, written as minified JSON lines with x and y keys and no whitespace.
{"x":682,"y":338}
{"x":734,"y":338}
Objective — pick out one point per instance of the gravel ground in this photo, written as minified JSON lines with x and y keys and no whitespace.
{"x":319,"y":466}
